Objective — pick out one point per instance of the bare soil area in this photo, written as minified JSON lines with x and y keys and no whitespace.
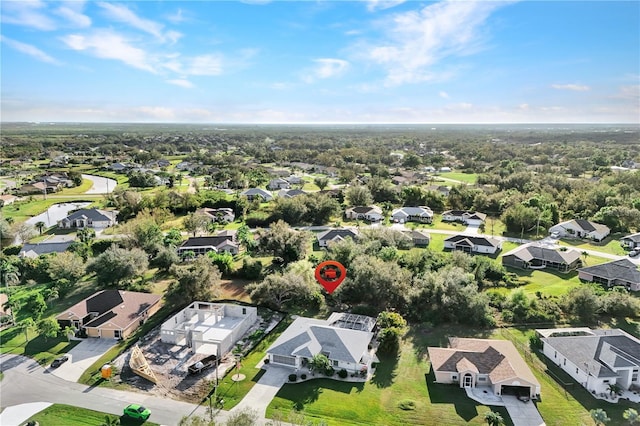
{"x":170,"y":362}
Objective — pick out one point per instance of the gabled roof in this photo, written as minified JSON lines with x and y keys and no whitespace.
{"x":114,"y":308}
{"x":633,"y":237}
{"x":470,"y":240}
{"x":366,"y":209}
{"x":341,"y":233}
{"x":585,"y":225}
{"x":257,"y":191}
{"x":290,"y":192}
{"x":413,"y":211}
{"x":93,"y":214}
{"x":307,"y":337}
{"x":45,"y":248}
{"x":417,"y":234}
{"x":211,"y":241}
{"x":599,"y":353}
{"x":529,"y":252}
{"x":622,"y":269}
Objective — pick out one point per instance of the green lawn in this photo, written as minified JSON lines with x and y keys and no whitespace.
{"x":609,"y":245}
{"x":439,"y":224}
{"x":470,"y":178}
{"x":80,"y":189}
{"x":397,"y":379}
{"x":23,"y":210}
{"x":66,"y":415}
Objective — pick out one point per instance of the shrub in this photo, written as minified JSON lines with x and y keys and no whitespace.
{"x":12,"y":250}
{"x":407,"y":404}
{"x":303,"y":376}
{"x":343,"y":373}
{"x":266,"y":361}
{"x":329,"y":372}
{"x":293,"y":377}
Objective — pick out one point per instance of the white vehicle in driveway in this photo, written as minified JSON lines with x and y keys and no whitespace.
{"x":634,"y":253}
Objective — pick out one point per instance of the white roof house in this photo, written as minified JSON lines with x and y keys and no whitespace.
{"x":412,"y":214}
{"x":582,"y":229}
{"x":253,"y":193}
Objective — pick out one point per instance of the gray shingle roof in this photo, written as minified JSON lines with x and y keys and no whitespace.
{"x":476,"y":241}
{"x":622,"y":269}
{"x":528,"y":253}
{"x":93,"y":214}
{"x":633,"y":237}
{"x":596,"y":354}
{"x":333,"y":233}
{"x":45,"y":248}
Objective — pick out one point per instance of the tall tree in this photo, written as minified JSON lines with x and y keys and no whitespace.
{"x":195,"y":222}
{"x":321,"y":182}
{"x":117,"y":265}
{"x":40,"y":225}
{"x":198,"y":280}
{"x":66,"y":265}
{"x":284,"y":242}
{"x":358,"y":195}
{"x":48,"y":328}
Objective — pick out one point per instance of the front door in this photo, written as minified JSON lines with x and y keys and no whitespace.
{"x":467,"y":381}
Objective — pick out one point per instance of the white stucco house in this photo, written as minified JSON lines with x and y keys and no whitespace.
{"x":209,"y":328}
{"x":464,"y":216}
{"x":594,"y":358}
{"x":473,"y":244}
{"x":470,"y":363}
{"x":412,"y":214}
{"x":581,"y":228}
{"x":334,"y":235}
{"x":369,"y":213}
{"x":631,"y":241}
{"x":279,"y":183}
{"x":89,"y":218}
{"x":257,"y":193}
{"x":344,"y":338}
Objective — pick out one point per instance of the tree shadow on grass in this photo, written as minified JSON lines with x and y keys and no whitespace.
{"x":301,"y":394}
{"x":40,"y":344}
{"x":386,"y":370}
{"x":439,"y":393}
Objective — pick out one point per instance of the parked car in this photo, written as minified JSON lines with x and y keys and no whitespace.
{"x":634,"y":253}
{"x":555,"y":235}
{"x":59,"y":361}
{"x":136,"y":411}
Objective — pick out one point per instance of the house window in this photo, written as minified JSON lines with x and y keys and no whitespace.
{"x":555,"y":354}
{"x":605,"y":381}
{"x":117,"y":334}
{"x":244,"y":311}
{"x":564,"y":362}
{"x":482,"y":379}
{"x":454,"y":377}
{"x":335,"y":363}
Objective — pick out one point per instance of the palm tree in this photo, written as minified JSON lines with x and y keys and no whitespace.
{"x":599,"y":416}
{"x":69,"y":331}
{"x":9,"y":273}
{"x":585,"y":254}
{"x":614,"y":389}
{"x":493,"y":419}
{"x":40,"y":226}
{"x":631,"y":415}
{"x":25,"y":325}
{"x":110,"y":421}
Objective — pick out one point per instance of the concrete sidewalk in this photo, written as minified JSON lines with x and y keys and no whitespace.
{"x":18,"y":414}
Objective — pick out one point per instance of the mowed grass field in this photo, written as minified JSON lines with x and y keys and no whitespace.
{"x":66,"y":415}
{"x":469,"y":178}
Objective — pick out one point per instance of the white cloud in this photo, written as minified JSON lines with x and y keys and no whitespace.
{"x":29,"y":49}
{"x":373,"y":5}
{"x":123,"y":14}
{"x":72,"y":12}
{"x":416,"y":41}
{"x":110,"y":45}
{"x":181,"y":82}
{"x":443,"y":94}
{"x":177,"y":17}
{"x":572,"y":87}
{"x":27,"y":13}
{"x":326,"y":68}
{"x":628,"y":92}
{"x":205,"y":65}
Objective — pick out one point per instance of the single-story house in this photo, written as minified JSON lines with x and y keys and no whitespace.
{"x":290,"y":193}
{"x":89,"y":218}
{"x":530,"y":256}
{"x":7,"y":199}
{"x":334,"y":235}
{"x":368,"y":213}
{"x":620,"y":272}
{"x":111,"y":314}
{"x":473,"y":244}
{"x":257,"y":193}
{"x":630,"y":241}
{"x":294,"y":180}
{"x":412,"y":214}
{"x":344,"y":338}
{"x":419,"y":238}
{"x":464,"y":216}
{"x":279,"y":183}
{"x":119,"y":167}
{"x":223,"y":215}
{"x":34,"y":250}
{"x":470,"y":363}
{"x":445,"y":169}
{"x":595,"y":358}
{"x":35,"y":188}
{"x":582,"y":229}
{"x":209,"y":328}
{"x":203,"y":245}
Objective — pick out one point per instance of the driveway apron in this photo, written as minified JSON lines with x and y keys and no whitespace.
{"x":260,"y":396}
{"x":522,"y":413}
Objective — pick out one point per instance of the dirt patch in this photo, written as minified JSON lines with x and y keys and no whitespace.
{"x":170,"y":362}
{"x":234,"y":289}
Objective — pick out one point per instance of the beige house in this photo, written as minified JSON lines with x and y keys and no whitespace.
{"x":471,"y":363}
{"x":110,"y":314}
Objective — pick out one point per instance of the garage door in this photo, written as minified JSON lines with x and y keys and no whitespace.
{"x":516,"y":390}
{"x":281,"y":359}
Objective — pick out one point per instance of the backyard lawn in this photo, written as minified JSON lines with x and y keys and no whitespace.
{"x":609,"y":245}
{"x":470,"y":178}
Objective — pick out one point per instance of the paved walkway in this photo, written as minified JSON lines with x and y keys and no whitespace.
{"x":522,"y":413}
{"x":18,"y":414}
{"x":260,"y":396}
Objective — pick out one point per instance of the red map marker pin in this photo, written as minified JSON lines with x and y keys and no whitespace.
{"x":330,"y":275}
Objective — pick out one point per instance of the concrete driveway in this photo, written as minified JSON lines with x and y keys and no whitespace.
{"x":81,"y":357}
{"x":260,"y":396}
{"x":522,"y":413}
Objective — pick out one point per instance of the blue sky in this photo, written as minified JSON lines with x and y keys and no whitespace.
{"x":372,"y":61}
